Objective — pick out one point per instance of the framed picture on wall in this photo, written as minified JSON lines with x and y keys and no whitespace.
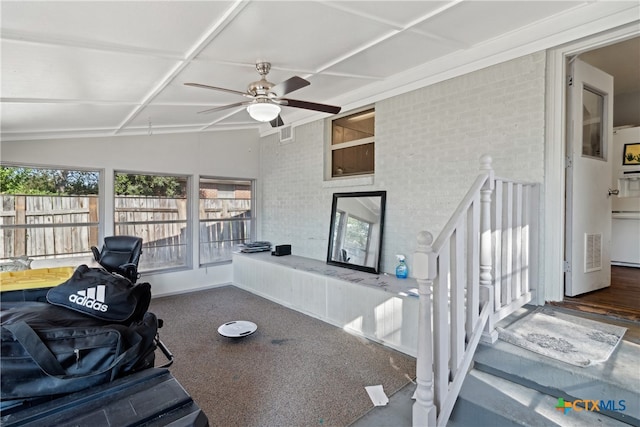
{"x":631,"y":155}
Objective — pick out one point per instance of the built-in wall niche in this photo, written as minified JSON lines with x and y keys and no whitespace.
{"x":353,"y":145}
{"x":629,"y":184}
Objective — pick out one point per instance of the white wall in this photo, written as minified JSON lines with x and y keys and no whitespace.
{"x":628,"y":200}
{"x":626,"y":109}
{"x":625,"y":227}
{"x":224,"y":154}
{"x":428,"y":145}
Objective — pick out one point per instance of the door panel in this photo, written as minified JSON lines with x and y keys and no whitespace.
{"x":588,"y":176}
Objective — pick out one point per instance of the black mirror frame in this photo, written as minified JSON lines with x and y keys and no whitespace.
{"x":334,"y":204}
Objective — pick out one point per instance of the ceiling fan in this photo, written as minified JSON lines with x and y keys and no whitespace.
{"x":266,"y":98}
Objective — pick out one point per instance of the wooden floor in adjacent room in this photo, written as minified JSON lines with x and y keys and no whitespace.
{"x":621,"y":300}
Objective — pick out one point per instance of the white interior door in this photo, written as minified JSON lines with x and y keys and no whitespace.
{"x":588,"y":177}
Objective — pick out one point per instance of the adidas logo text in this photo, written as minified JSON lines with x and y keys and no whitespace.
{"x":91,"y":297}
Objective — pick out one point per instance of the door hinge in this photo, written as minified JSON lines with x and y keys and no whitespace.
{"x":568,"y":162}
{"x":570,"y":80}
{"x":566,"y":266}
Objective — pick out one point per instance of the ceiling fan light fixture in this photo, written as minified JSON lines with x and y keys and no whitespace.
{"x":263,"y":111}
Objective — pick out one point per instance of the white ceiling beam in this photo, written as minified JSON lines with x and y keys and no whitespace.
{"x":49,"y":40}
{"x":211,"y":34}
{"x":226,"y":116}
{"x":398,"y":29}
{"x":64,"y":101}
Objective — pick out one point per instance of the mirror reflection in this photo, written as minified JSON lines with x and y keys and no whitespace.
{"x":355,"y":237}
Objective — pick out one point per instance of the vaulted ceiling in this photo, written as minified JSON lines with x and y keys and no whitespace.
{"x":87,"y":68}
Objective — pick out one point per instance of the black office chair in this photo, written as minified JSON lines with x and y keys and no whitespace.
{"x":120,"y":254}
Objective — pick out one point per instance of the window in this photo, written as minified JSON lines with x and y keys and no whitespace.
{"x":47,"y":213}
{"x":154,"y":207}
{"x":352,"y":236}
{"x":352,"y":144}
{"x":226,"y":217}
{"x":592,"y":124}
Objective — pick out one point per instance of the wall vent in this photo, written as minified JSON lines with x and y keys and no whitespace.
{"x":592,"y":252}
{"x":286,"y":134}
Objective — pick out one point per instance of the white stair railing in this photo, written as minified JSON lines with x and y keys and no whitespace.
{"x":459,"y":301}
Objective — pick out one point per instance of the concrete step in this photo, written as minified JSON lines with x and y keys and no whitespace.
{"x":487,"y":400}
{"x":615,"y":383}
{"x":511,"y":386}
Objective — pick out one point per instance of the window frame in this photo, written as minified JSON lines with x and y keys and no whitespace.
{"x":252,"y":219}
{"x":188,"y":221}
{"x":330,"y":147}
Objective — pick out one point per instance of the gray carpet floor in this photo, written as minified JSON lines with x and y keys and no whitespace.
{"x":295,"y":370}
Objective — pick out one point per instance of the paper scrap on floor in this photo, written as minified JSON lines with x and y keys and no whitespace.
{"x":377,"y":395}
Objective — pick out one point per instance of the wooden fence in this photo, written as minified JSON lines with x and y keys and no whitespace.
{"x":43,"y":227}
{"x":162,"y":224}
{"x":226,"y":223}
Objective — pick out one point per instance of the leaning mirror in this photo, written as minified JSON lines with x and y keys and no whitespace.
{"x":355,"y":235}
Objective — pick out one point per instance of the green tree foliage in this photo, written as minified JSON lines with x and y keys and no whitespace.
{"x":150,"y":185}
{"x":40,"y":181}
{"x":357,"y":233}
{"x":37,"y":181}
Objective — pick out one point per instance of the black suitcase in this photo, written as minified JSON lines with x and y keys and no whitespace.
{"x":152,"y":397}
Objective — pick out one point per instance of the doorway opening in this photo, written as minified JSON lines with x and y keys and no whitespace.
{"x":622,"y":298}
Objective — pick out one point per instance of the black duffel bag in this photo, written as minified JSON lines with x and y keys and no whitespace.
{"x":48,"y":350}
{"x":103,"y":295}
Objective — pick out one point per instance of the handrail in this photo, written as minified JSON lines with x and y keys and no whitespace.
{"x":457,"y":291}
{"x":468,"y":198}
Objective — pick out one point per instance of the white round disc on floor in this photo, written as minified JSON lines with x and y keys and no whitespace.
{"x":237,"y":329}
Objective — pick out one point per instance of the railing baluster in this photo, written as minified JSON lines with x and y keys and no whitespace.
{"x":486,"y":251}
{"x":533,"y":235}
{"x":497,"y":242}
{"x":473,"y":296}
{"x":507,"y":244}
{"x":424,"y":270}
{"x":458,"y":286}
{"x":526,"y":229}
{"x":517,"y":242}
{"x":441,"y":327}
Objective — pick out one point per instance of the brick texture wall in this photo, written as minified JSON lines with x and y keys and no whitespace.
{"x":428,"y":145}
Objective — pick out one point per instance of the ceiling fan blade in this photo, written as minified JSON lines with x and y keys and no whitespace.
{"x":237,"y":92}
{"x":224,"y":107}
{"x":331,"y":109}
{"x":277,"y":122}
{"x":289,"y":85}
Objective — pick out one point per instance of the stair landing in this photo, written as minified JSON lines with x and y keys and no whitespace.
{"x":615,"y":382}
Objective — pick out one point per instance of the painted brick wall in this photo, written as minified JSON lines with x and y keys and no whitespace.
{"x":428,"y":145}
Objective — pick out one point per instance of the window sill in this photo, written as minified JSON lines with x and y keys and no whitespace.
{"x":348,"y":182}
{"x":215,"y":263}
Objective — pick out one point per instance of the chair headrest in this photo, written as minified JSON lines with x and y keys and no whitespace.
{"x":123,"y":243}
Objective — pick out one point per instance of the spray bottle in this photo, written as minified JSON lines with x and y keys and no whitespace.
{"x":402,"y":271}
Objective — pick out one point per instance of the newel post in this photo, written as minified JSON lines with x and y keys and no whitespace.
{"x":486,"y":248}
{"x":424,"y":270}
